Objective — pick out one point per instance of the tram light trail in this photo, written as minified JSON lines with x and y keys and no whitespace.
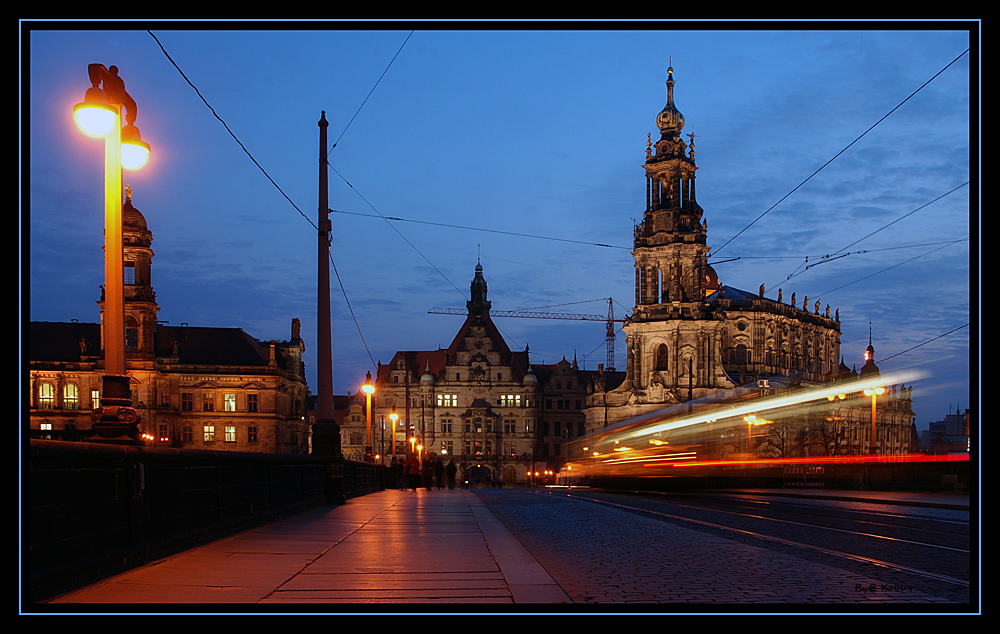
{"x":733,"y":431}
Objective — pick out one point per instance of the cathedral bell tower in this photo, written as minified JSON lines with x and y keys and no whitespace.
{"x":670,"y":242}
{"x":673,"y":334}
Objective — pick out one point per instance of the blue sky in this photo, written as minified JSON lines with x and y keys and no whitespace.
{"x":535,"y":131}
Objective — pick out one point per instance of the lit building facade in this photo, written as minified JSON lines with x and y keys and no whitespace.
{"x":206,"y":388}
{"x":690,"y":336}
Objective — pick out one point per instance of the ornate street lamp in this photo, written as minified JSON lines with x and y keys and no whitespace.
{"x":100,"y":115}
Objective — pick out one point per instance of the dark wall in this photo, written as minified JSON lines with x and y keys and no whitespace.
{"x":93,"y":510}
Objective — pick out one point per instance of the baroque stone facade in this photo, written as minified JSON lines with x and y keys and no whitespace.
{"x":205,"y":388}
{"x":689,"y":336}
{"x":482,"y":404}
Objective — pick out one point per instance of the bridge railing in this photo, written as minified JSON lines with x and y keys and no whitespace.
{"x":93,"y":510}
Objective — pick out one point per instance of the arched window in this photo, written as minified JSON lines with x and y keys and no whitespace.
{"x":660,"y":357}
{"x":46,"y":396}
{"x":71,"y":397}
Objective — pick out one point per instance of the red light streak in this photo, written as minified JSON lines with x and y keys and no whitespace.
{"x":820,"y":460}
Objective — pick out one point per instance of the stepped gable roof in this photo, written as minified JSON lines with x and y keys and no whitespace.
{"x":491,"y":331}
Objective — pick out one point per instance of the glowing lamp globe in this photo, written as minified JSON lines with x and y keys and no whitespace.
{"x":134,"y":150}
{"x":94,"y":116}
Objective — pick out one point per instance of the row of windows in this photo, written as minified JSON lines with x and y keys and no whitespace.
{"x":451,"y":400}
{"x":509,"y":425}
{"x":226,"y":433}
{"x":228,"y":402}
{"x":70,"y":397}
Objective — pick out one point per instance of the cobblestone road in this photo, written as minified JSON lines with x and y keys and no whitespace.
{"x":601,"y":555}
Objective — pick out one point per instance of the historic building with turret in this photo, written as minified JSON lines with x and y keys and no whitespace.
{"x":691,"y":336}
{"x":205,"y":388}
{"x":500,"y":417}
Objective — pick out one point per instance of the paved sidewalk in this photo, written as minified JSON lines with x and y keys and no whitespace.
{"x":388,"y":547}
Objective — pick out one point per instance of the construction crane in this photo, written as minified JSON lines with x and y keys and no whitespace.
{"x":609,"y":319}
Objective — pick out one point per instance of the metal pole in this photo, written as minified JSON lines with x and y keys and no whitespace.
{"x":326,"y":432}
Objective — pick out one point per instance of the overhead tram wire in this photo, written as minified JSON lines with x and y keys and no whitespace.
{"x":509,"y":233}
{"x":848,"y":146}
{"x":261,"y":168}
{"x":231,"y":133}
{"x":836,"y":255}
{"x":307,"y":219}
{"x":412,"y":246}
{"x":370,"y":92}
{"x":889,"y":268}
{"x":953,"y":330}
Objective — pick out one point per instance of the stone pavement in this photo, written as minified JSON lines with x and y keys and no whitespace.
{"x":393,"y":546}
{"x":450,"y":547}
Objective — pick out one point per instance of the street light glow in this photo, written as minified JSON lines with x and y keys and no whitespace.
{"x":135,"y":151}
{"x":94,"y":116}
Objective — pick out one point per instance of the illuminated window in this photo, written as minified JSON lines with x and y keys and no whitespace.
{"x":447,"y":400}
{"x":510,"y":400}
{"x":230,"y":401}
{"x":45,"y":426}
{"x":230,"y":433}
{"x":71,"y":397}
{"x":209,"y":433}
{"x":46,"y":396}
{"x":95,"y":399}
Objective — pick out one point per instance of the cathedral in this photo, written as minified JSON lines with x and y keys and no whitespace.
{"x":690,"y":336}
{"x":193,"y":387}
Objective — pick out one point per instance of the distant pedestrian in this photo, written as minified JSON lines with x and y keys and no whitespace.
{"x":429,"y":473}
{"x":412,"y":468}
{"x":451,"y":470}
{"x":439,"y":473}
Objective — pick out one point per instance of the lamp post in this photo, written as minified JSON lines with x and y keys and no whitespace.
{"x":100,"y":115}
{"x":393,"y":417}
{"x":368,"y":389}
{"x":873,"y":392}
